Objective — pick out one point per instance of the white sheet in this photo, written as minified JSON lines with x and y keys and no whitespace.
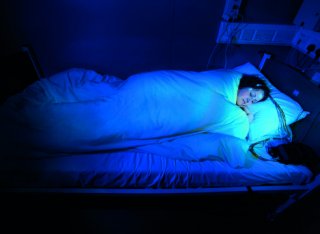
{"x":80,"y":110}
{"x":203,"y":146}
{"x":143,"y":170}
{"x":199,"y":143}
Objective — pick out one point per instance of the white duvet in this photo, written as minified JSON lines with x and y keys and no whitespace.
{"x":80,"y":110}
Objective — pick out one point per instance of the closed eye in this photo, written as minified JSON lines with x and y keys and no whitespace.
{"x":253,"y":95}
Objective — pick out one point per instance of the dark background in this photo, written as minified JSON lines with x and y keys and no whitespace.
{"x":123,"y":37}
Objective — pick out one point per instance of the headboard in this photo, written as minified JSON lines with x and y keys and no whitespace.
{"x":297,"y":85}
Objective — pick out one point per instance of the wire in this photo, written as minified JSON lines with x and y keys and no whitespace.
{"x":231,"y":30}
{"x":216,"y":45}
{"x":283,"y":127}
{"x":210,"y":57}
{"x":226,"y":56}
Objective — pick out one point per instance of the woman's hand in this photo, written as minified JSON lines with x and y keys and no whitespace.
{"x":249,"y":114}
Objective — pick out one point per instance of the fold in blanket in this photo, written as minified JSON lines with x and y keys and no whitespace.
{"x":80,"y":110}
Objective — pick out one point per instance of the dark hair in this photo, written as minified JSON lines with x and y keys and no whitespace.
{"x":255,"y":82}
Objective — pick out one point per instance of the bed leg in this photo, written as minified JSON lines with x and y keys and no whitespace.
{"x":294,"y":198}
{"x":282,"y":207}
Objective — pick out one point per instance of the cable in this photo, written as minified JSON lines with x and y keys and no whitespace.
{"x":283,"y":127}
{"x":230,"y":34}
{"x":225,"y":56}
{"x":216,"y":45}
{"x":210,"y":57}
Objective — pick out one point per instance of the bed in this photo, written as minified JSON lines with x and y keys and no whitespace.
{"x":47,"y":156}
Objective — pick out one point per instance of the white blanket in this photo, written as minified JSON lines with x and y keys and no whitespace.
{"x":80,"y":110}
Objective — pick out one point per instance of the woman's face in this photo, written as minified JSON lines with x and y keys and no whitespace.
{"x":248,"y":96}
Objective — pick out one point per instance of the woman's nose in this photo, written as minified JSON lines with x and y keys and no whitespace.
{"x":249,"y":101}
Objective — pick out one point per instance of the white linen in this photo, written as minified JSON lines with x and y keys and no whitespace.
{"x":201,"y":147}
{"x":80,"y":110}
{"x":201,"y":143}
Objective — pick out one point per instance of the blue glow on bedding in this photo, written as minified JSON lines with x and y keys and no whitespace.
{"x":144,"y":170}
{"x":82,"y":111}
{"x":92,"y":130}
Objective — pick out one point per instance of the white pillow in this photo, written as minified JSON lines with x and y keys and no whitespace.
{"x":266,"y":122}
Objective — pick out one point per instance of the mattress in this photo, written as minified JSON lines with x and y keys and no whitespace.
{"x":134,"y":169}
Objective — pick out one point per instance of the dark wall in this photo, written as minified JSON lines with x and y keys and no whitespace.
{"x":114,"y":36}
{"x":122,"y":37}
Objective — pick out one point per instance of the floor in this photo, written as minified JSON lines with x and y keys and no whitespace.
{"x":245,"y":213}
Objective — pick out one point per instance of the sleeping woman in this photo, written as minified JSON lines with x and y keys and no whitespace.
{"x":79,"y":110}
{"x":251,"y":90}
